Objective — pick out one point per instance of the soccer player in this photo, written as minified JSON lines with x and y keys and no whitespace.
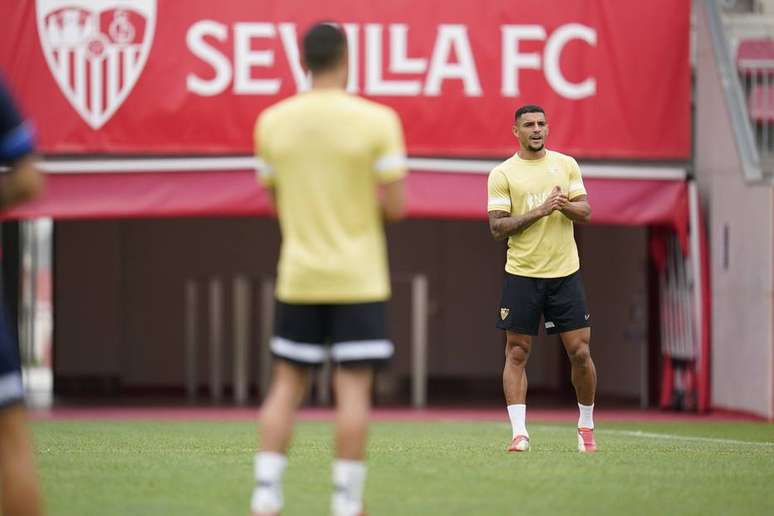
{"x":534,"y":198}
{"x":18,"y":478}
{"x":334,"y":164}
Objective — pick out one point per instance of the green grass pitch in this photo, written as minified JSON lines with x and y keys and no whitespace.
{"x":123,"y":468}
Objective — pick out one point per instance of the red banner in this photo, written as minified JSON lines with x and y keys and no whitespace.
{"x":631,"y":202}
{"x":163,"y":77}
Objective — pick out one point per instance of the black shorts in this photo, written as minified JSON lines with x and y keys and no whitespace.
{"x":11,"y":390}
{"x":348,"y":334}
{"x":561,"y":302}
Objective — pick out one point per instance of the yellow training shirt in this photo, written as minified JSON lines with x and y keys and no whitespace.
{"x":546,"y":249}
{"x":325,"y":152}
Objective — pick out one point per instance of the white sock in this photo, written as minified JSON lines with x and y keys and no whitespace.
{"x":586,"y":419}
{"x":267,"y":495}
{"x":348,"y":485}
{"x":518,"y":415}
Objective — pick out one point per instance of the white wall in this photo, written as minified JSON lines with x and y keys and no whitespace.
{"x":742,"y":343}
{"x":742,"y":359}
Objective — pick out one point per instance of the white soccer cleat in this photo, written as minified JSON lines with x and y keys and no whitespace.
{"x":266,"y":502}
{"x":341,"y":506}
{"x":586,"y":441}
{"x":520,"y":443}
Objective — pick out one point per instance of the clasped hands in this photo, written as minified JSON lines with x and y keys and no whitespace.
{"x":556,"y":201}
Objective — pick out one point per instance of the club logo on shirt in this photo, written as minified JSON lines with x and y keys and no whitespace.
{"x":504,"y":313}
{"x":535,"y":200}
{"x":96,"y":50}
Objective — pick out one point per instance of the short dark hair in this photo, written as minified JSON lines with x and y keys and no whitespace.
{"x":527,"y":108}
{"x":324,"y":45}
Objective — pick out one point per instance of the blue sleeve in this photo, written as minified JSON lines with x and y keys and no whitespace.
{"x":16,"y":138}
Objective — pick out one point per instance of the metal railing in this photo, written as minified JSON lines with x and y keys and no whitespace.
{"x":681,"y":325}
{"x":734,"y":95}
{"x":242,"y":288}
{"x":755,"y":66}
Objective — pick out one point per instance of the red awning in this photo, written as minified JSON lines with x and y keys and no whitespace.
{"x":436,"y":195}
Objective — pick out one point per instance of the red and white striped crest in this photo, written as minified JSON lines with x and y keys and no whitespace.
{"x":96,"y":50}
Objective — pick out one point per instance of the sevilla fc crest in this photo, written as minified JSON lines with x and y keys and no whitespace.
{"x":96,"y":50}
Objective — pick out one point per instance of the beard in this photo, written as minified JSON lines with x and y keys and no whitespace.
{"x":536,"y":147}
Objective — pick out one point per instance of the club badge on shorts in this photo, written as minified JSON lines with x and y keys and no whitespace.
{"x":504,"y":313}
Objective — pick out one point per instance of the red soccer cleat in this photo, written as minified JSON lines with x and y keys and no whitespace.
{"x":586,"y":441}
{"x":520,"y":443}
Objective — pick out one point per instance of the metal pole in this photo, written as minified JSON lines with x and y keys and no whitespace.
{"x":32,"y":239}
{"x":687,"y":305}
{"x":324,"y":383}
{"x":216,"y":339}
{"x":26,"y":305}
{"x":677,"y":303}
{"x":669,"y":344}
{"x":683,"y":349}
{"x":663,"y":300}
{"x":644,"y":368}
{"x":767,"y":142}
{"x":693,"y":214}
{"x":419,"y":316}
{"x":764,"y":108}
{"x":267,"y":329}
{"x":241,"y":293}
{"x":684,"y":300}
{"x":191,"y":346}
{"x":21,"y":294}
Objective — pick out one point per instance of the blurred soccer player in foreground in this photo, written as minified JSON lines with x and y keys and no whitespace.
{"x":18,"y":478}
{"x":534,"y":198}
{"x":334,"y":164}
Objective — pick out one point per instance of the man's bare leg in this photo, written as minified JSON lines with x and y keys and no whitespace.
{"x":289,"y":383}
{"x":278,"y":412}
{"x":353,"y":405}
{"x":584,"y":374}
{"x":517,"y":349}
{"x":18,"y":476}
{"x":584,"y":379}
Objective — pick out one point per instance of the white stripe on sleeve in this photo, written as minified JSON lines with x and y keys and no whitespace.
{"x":390,"y":162}
{"x":265,"y":170}
{"x":499,"y":201}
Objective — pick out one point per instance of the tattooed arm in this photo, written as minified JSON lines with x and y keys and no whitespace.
{"x":502,"y":224}
{"x":577,"y":210}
